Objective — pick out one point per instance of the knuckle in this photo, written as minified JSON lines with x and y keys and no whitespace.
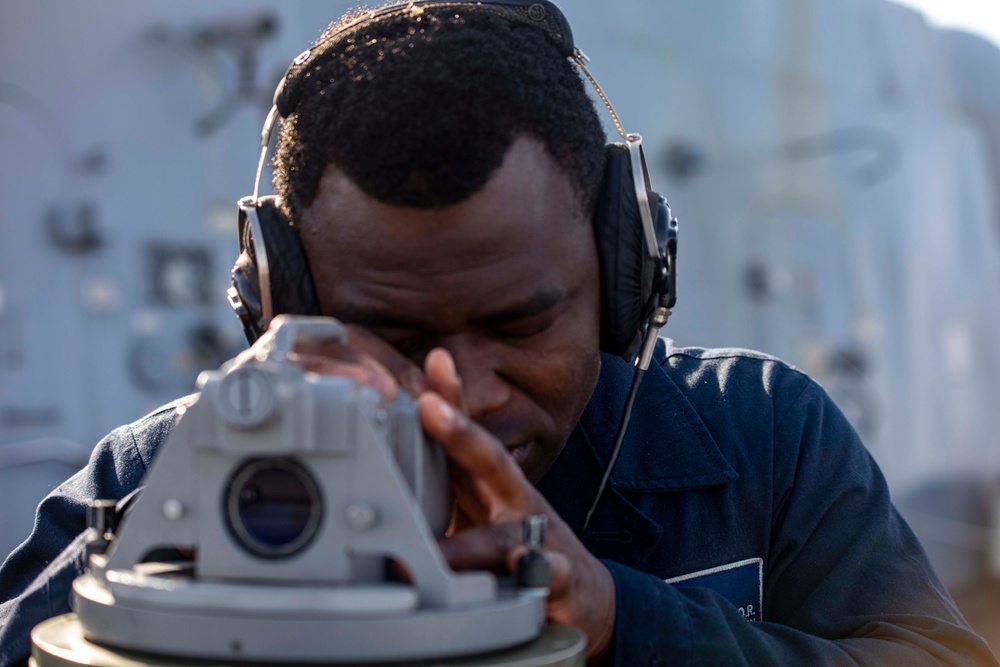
{"x":506,"y":536}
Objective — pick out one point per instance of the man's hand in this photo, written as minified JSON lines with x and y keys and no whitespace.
{"x":492,"y":494}
{"x":493,"y":497}
{"x":366,"y":358}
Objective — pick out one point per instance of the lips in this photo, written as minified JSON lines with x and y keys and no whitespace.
{"x":517,"y":434}
{"x":520,"y":451}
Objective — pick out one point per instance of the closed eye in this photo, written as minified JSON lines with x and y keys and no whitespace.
{"x":414,"y":348}
{"x":525,"y":327}
{"x":527,"y":318}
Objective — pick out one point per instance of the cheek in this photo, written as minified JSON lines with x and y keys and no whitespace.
{"x":559,"y":376}
{"x":570,"y":379}
{"x":557,"y":389}
{"x":575,"y":355}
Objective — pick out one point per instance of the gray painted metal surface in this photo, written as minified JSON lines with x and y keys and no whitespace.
{"x":287,"y":567}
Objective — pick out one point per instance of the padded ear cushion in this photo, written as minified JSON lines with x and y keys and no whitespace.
{"x":248,"y":308}
{"x":292,"y":288}
{"x":626,"y":271}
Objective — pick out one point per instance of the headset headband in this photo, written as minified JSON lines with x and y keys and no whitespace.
{"x":540,"y":13}
{"x":537,"y":12}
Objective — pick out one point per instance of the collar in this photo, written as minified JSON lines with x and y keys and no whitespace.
{"x":667,"y":448}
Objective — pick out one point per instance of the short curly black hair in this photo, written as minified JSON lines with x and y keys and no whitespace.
{"x":419,"y":109}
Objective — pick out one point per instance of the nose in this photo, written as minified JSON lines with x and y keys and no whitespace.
{"x":479,"y":367}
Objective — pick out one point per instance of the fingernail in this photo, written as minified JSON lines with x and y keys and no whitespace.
{"x":449,"y":365}
{"x":385,"y":385}
{"x":445,"y":412}
{"x":415,"y":380}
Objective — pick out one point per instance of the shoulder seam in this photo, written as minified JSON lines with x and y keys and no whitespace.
{"x":159,"y":412}
{"x":758,"y":357}
{"x":749,"y":356}
{"x":172,"y":405}
{"x":138,"y":452}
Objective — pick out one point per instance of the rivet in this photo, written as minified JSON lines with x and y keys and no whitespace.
{"x":173,"y":509}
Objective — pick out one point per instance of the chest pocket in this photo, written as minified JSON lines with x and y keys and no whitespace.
{"x":742,"y":583}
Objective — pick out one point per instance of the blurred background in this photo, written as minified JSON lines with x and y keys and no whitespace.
{"x":835,"y":165}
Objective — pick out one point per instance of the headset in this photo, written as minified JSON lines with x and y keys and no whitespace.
{"x":634,"y":229}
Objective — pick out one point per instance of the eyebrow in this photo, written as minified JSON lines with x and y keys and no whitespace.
{"x":537,"y":303}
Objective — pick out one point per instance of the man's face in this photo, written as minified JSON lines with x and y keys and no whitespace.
{"x":506,"y":281}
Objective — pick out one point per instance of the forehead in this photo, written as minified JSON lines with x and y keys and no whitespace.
{"x":525,"y":229}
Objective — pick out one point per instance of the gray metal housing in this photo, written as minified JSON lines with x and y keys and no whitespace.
{"x":329,"y":599}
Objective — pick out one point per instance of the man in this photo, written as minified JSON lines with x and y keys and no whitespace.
{"x":442,"y":170}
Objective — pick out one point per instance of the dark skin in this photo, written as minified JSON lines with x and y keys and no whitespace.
{"x":488,"y":311}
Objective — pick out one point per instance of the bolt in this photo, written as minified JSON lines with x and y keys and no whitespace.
{"x":534,"y":566}
{"x":534,"y":531}
{"x":173,"y":509}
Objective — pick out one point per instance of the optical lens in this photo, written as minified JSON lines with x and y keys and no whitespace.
{"x":273,"y":507}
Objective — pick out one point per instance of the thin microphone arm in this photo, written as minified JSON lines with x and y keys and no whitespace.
{"x":657,"y":319}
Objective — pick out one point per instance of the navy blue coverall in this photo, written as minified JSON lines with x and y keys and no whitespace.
{"x":745,"y":523}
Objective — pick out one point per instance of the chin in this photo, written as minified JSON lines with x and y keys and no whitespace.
{"x":532,"y":460}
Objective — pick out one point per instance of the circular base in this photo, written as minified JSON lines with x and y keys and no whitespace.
{"x":241,"y":624}
{"x":59,"y":642}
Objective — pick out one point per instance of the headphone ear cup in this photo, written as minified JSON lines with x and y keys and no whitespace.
{"x":290,"y":280}
{"x":292,"y":290}
{"x":626,"y":271}
{"x":244,"y":296}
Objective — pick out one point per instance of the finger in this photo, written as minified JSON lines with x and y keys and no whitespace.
{"x":318,"y":347}
{"x":331,"y":357}
{"x":482,"y":547}
{"x":376,"y":377}
{"x":586,"y":599}
{"x":407,"y":373}
{"x":363,"y":349}
{"x":328,"y":348}
{"x":249,"y":354}
{"x":442,"y":377}
{"x":491,"y":470}
{"x":461,"y":518}
{"x":469,"y":509}
{"x":342,"y":352}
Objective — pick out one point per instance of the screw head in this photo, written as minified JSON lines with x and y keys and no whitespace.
{"x":534,"y":530}
{"x":361,"y":515}
{"x":246,"y":397}
{"x":173,"y":509}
